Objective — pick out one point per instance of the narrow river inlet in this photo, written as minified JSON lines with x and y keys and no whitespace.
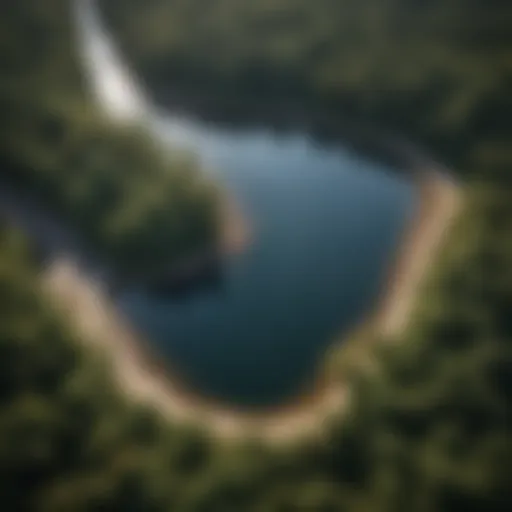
{"x":325,"y":225}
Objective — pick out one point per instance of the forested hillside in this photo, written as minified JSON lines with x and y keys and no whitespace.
{"x":431,"y":431}
{"x":436,"y":71}
{"x":135,"y":204}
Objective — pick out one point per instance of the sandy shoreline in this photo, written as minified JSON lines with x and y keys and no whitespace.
{"x":98,"y":322}
{"x":439,"y":201}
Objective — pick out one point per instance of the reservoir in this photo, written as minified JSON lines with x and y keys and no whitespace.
{"x":325,"y":225}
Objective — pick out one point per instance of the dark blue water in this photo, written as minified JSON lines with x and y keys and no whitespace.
{"x":326,"y":223}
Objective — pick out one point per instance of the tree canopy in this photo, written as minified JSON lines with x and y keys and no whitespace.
{"x":431,"y":429}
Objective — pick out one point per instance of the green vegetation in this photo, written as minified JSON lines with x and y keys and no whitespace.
{"x":435,"y":70}
{"x":68,"y":441}
{"x":431,"y":430}
{"x":139,"y":206}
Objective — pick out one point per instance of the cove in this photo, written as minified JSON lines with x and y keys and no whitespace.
{"x":326,"y":223}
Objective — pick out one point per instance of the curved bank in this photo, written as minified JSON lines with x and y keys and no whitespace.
{"x":102,"y":326}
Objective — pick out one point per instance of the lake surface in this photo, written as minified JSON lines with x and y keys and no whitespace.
{"x":325,"y":222}
{"x":325,"y":225}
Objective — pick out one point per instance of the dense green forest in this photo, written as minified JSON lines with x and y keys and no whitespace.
{"x":135,"y":203}
{"x":436,"y":71}
{"x":431,"y":430}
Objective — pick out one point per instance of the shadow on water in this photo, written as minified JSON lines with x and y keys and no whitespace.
{"x":208,"y":279}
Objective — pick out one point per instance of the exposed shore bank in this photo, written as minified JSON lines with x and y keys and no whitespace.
{"x":142,"y":378}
